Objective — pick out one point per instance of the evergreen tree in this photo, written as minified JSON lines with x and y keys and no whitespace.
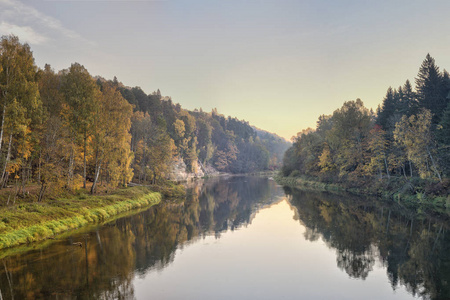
{"x":388,"y":109}
{"x":445,"y":87}
{"x":429,"y":88}
{"x":409,"y":100}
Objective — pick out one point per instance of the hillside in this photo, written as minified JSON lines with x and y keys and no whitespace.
{"x":61,"y":130}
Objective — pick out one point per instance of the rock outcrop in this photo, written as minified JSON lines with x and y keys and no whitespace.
{"x":178,"y":171}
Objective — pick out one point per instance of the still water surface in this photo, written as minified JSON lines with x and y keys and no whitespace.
{"x":244,"y":238}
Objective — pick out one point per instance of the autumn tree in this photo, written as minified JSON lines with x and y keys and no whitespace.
{"x":377,"y":145}
{"x":443,"y":137}
{"x":162,"y":150}
{"x":351,"y":125}
{"x":204,"y":139}
{"x":414,"y":133}
{"x":79,"y":90}
{"x":20,"y":103}
{"x":111,"y":137}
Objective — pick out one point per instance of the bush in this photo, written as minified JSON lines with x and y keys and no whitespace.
{"x":295,"y":173}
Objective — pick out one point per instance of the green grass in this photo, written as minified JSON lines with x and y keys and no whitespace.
{"x":395,"y":191}
{"x":29,"y":222}
{"x":308,"y":184}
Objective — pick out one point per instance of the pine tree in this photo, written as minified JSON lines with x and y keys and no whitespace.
{"x":445,"y":87}
{"x":388,"y":109}
{"x":429,"y":88}
{"x":409,"y":100}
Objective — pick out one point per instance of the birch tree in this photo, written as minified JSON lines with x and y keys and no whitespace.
{"x":414,"y":133}
{"x":21,"y":108}
{"x":111,"y":137}
{"x":79,"y":91}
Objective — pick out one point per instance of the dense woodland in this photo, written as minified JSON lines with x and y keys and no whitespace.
{"x":64,"y":129}
{"x":407,"y":140}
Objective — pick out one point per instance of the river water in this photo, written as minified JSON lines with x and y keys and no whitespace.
{"x":243,"y":238}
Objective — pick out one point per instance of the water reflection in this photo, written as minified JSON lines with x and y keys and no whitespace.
{"x":112,"y":255}
{"x":413,"y":247}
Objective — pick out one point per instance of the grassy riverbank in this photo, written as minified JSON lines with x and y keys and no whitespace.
{"x":412,"y":193}
{"x":29,"y":222}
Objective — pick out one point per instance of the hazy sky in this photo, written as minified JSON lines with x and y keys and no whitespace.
{"x":277,"y":64}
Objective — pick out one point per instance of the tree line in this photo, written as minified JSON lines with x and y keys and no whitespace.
{"x":408,"y":136}
{"x":63,"y":130}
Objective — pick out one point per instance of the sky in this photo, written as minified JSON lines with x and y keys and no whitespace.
{"x":277,"y":64}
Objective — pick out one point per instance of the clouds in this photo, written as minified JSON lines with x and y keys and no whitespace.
{"x":25,"y":33}
{"x":32,"y":26}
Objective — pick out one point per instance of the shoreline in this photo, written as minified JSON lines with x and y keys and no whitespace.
{"x":40,"y":221}
{"x":437,"y":204}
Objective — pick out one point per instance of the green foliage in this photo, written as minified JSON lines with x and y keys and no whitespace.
{"x":382,"y":154}
{"x":432,"y":88}
{"x":61,"y":129}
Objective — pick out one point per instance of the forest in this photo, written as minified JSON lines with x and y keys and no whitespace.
{"x":62,"y":130}
{"x":403,"y":146}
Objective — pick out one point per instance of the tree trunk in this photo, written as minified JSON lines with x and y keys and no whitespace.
{"x":410,"y":169}
{"x":411,"y":227}
{"x":94,"y":184}
{"x":9,"y":278}
{"x":3,"y":181}
{"x":39,"y":166}
{"x":143,"y":166}
{"x":404,"y":171}
{"x":436,"y":240}
{"x":41,"y":192}
{"x":16,"y":190}
{"x":70,"y":173}
{"x":3,"y":122}
{"x":98,"y":163}
{"x":387,"y":168}
{"x":84,"y":161}
{"x":86,"y":259}
{"x":24,"y":180}
{"x":434,"y":166}
{"x":29,"y":169}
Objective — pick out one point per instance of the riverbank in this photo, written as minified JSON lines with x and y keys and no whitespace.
{"x":395,"y":190}
{"x":30,"y":222}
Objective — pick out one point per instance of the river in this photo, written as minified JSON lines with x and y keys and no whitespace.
{"x":243,"y":238}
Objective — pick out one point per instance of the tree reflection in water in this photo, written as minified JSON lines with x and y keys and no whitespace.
{"x":413,"y":247}
{"x":113,"y":254}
